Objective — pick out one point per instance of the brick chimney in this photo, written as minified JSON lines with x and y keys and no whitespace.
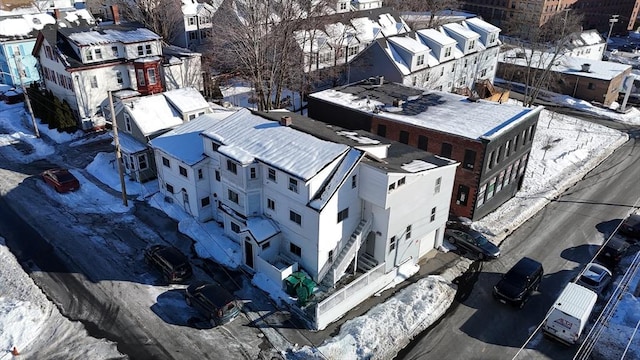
{"x":56,"y":14}
{"x":285,"y":121}
{"x":116,"y":14}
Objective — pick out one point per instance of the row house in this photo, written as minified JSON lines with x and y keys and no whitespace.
{"x":296,"y":194}
{"x":143,"y":118}
{"x":455,"y":56}
{"x":355,"y":5}
{"x":81,"y":64}
{"x":491,"y":141}
{"x":343,"y":36}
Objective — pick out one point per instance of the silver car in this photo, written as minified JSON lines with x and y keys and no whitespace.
{"x":595,"y":277}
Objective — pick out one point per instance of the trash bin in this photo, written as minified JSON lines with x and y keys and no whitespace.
{"x":293,"y":281}
{"x":305,"y":290}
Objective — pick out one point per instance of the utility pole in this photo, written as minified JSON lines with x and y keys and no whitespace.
{"x":26,"y":96}
{"x":114,"y":123}
{"x":612,"y":20}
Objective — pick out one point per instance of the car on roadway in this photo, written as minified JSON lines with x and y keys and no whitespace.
{"x":595,"y":277}
{"x":518,"y":283}
{"x":61,"y":180}
{"x":472,"y":241}
{"x":612,"y":252}
{"x":173,"y":264}
{"x":213,"y":301}
{"x":631,"y":226}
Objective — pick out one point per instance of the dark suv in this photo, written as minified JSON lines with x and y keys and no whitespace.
{"x":519,"y":282}
{"x":612,"y":252}
{"x":174,"y":265}
{"x":213,"y":301}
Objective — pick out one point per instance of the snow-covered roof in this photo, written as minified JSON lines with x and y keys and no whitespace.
{"x":184,"y":142}
{"x":441,"y":111}
{"x":129,"y":144}
{"x":460,"y":30}
{"x":153,"y":113}
{"x":25,"y":25}
{"x":603,"y":70}
{"x":111,"y":35}
{"x":409,"y":44}
{"x":186,"y":100}
{"x":476,"y":22}
{"x":247,"y":137}
{"x":261,"y":228}
{"x":436,"y":36}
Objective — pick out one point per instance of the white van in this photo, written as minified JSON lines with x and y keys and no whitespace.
{"x":569,"y":314}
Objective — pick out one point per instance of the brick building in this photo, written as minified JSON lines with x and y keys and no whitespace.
{"x":491,"y":141}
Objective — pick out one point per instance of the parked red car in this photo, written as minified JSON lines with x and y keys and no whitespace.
{"x":61,"y":180}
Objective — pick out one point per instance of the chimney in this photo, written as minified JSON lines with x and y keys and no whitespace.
{"x":586,"y":67}
{"x":285,"y":121}
{"x":398,"y":102}
{"x":380,"y":80}
{"x":116,"y":14}
{"x":56,"y":13}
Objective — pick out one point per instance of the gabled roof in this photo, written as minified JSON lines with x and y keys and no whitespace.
{"x":435,"y":36}
{"x":184,"y":142}
{"x":186,"y":100}
{"x":24,"y":26}
{"x":460,"y":30}
{"x":108,"y":34}
{"x":152,"y":113}
{"x":585,"y":38}
{"x":246,"y":138}
{"x":477,"y":23}
{"x":436,"y":110}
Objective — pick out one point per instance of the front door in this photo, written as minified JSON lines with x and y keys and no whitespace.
{"x":248,"y":254}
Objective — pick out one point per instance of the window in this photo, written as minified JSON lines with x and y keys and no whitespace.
{"x":119,"y":77}
{"x":507,"y":149}
{"x":94,"y":82}
{"x":453,"y":67}
{"x":233,"y":196}
{"x":114,"y":51}
{"x":353,"y":50}
{"x":127,"y":122}
{"x":500,"y":180}
{"x":140,"y":51}
{"x":148,"y":49}
{"x":295,"y":250}
{"x":392,"y":186}
{"x":591,"y":86}
{"x":354,"y":181}
{"x":215,"y":146}
{"x":141,"y":81}
{"x":420,"y":60}
{"x":295,"y":217}
{"x":446,"y":150}
{"x":433,"y":214}
{"x":169,"y":188}
{"x":423,"y":141}
{"x":166,"y":162}
{"x":200,"y":174}
{"x":88,"y":54}
{"x":463,"y":195}
{"x":407,"y":233}
{"x":152,"y":76}
{"x":217,"y":175}
{"x":142,"y":162}
{"x":447,"y":52}
{"x":205,"y":201}
{"x":272,"y":174}
{"x":436,"y":189}
{"x":266,"y":245}
{"x":98,"y":54}
{"x":235,"y":227}
{"x":481,"y":193}
{"x":404,"y":137}
{"x":392,"y":244}
{"x":507,"y":175}
{"x":515,"y":143}
{"x":293,"y":185}
{"x":441,"y":72}
{"x":182,"y":171}
{"x":491,"y":188}
{"x":382,"y":130}
{"x":469,"y":159}
{"x":472,"y":44}
{"x":402,"y":181}
{"x":192,"y":20}
{"x":232,"y":167}
{"x":343,"y":214}
{"x":271,"y":205}
{"x":492,"y":158}
{"x":252,"y":173}
{"x":531,"y":132}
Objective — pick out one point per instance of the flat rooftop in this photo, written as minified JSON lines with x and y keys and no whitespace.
{"x":436,"y":110}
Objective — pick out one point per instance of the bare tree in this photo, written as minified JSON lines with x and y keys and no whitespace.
{"x":164,"y":17}
{"x":429,"y":13}
{"x":536,"y":52}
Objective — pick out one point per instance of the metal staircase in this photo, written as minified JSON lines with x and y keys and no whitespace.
{"x":347,"y":254}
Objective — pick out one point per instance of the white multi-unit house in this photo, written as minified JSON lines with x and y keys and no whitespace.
{"x":296,"y":194}
{"x":81,"y":64}
{"x":587,"y":44}
{"x":456,"y":55}
{"x":197,"y":23}
{"x":336,"y":39}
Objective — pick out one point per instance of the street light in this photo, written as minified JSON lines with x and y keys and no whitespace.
{"x":612,"y":20}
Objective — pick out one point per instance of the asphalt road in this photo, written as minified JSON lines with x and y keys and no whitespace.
{"x":563,"y":236}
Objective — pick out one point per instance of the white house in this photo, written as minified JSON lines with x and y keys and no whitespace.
{"x":197,"y":23}
{"x":587,"y":44}
{"x":455,"y":56}
{"x":296,"y":194}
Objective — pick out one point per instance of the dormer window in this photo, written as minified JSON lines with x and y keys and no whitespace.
{"x":88,"y":54}
{"x":114,"y":51}
{"x":472,"y":44}
{"x":447,"y":52}
{"x":98,"y":54}
{"x":420,"y":60}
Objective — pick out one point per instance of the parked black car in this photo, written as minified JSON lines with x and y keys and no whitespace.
{"x":473,"y":241}
{"x":170,"y":261}
{"x":213,"y":301}
{"x":519,"y":282}
{"x":631,"y":226}
{"x":612,"y":252}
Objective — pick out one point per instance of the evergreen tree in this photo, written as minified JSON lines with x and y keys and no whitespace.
{"x":57,"y":114}
{"x":67,"y":122}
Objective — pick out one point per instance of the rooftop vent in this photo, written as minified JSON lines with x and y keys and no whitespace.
{"x":285,"y":121}
{"x":398,"y":102}
{"x":586,"y":67}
